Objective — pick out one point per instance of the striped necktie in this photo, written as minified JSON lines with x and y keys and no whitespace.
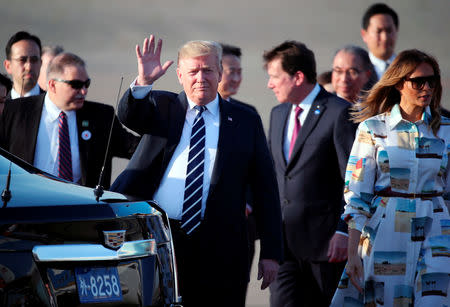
{"x":193,"y":192}
{"x":297,"y":128}
{"x":64,"y":153}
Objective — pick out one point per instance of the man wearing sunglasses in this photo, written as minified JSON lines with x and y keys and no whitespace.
{"x":23,"y":63}
{"x":62,"y":133}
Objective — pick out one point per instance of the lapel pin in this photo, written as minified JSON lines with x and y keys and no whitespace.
{"x":86,"y":135}
{"x":317,"y":111}
{"x":85,"y":123}
{"x":230,"y":119}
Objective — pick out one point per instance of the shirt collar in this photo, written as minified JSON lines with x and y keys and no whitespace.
{"x":53,"y":111}
{"x":396,"y":117}
{"x":212,"y":106}
{"x":380,"y":64}
{"x":36,"y":90}
{"x":308,"y":101}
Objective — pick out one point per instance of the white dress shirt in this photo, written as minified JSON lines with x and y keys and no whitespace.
{"x":170,"y":193}
{"x":47,"y":143}
{"x":36,"y":90}
{"x":290,"y":124}
{"x":380,"y":65}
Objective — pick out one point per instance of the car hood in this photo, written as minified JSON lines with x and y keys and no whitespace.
{"x":39,"y":190}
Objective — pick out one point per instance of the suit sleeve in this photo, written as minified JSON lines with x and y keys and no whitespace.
{"x":266,"y":198}
{"x":124,"y":143}
{"x":344,"y":135}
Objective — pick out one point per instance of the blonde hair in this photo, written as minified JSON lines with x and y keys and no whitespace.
{"x":193,"y":49}
{"x":384,"y":94}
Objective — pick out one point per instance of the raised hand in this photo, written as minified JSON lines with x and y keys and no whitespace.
{"x":149,"y":62}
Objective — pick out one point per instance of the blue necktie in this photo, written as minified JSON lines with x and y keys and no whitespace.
{"x":193,"y":192}
{"x":64,"y":153}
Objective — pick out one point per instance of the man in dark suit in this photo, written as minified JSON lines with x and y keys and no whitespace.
{"x":196,"y":158}
{"x":310,"y":138}
{"x":231,"y":75}
{"x":30,"y":126}
{"x":23,"y":63}
{"x":229,"y":86}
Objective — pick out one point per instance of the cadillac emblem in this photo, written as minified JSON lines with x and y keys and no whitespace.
{"x":114,"y":239}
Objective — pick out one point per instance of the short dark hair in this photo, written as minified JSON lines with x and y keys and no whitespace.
{"x":231,"y":50}
{"x":379,"y":8}
{"x":6,"y":82}
{"x":19,"y":36}
{"x":295,"y":56}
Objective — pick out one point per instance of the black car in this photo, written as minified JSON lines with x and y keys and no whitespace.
{"x":60,"y":246}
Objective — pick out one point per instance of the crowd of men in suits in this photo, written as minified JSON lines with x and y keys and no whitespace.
{"x":204,"y":157}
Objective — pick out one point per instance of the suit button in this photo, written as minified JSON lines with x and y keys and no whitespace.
{"x":285,"y":201}
{"x":287,"y":177}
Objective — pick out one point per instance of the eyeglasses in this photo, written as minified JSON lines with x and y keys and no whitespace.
{"x":352,"y":72}
{"x":24,"y":59}
{"x":418,"y":83}
{"x":75,"y":84}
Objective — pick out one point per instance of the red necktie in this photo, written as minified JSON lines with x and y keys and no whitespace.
{"x":297,"y":127}
{"x":64,"y":153}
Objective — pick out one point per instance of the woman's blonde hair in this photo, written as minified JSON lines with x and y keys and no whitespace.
{"x":384,"y":94}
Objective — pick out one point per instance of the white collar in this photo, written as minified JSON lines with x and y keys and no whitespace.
{"x":212,"y":106}
{"x":36,"y":90}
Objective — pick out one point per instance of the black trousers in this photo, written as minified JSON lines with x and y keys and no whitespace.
{"x":304,"y":283}
{"x":197,"y":288}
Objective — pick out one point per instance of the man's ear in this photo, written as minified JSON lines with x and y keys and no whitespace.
{"x":299,"y":78}
{"x":179,"y":75}
{"x":364,"y":35}
{"x":7,"y":65}
{"x":51,"y":86}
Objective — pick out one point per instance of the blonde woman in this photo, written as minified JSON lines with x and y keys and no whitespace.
{"x":396,"y":182}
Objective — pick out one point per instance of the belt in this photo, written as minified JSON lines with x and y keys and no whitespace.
{"x":408,"y":195}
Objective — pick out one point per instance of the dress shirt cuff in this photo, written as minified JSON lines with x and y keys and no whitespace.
{"x":342,"y":233}
{"x":139,"y":91}
{"x":358,"y":221}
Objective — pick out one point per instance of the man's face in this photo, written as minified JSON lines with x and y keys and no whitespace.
{"x":380,"y":36}
{"x":348,"y":76}
{"x":280,"y":82}
{"x":63,"y":95}
{"x":46,"y":58}
{"x":24,"y":65}
{"x":231,"y":77}
{"x":200,"y":77}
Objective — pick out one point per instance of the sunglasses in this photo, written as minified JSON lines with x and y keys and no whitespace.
{"x":418,"y":83}
{"x":75,"y":84}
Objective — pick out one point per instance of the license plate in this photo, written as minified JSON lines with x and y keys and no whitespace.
{"x":98,"y":284}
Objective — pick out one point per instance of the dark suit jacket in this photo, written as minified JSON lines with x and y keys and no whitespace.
{"x":20,"y":125}
{"x":445,"y":112}
{"x":238,"y":102}
{"x":242,"y":159}
{"x":311,"y":183}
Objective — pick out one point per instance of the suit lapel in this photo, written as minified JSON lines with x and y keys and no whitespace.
{"x":224,"y":143}
{"x":176,"y":123}
{"x":279,"y":130}
{"x":83,"y":146}
{"x":318,"y":107}
{"x":34,"y":120}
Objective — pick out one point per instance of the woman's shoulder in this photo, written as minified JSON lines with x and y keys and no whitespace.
{"x":375,"y":122}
